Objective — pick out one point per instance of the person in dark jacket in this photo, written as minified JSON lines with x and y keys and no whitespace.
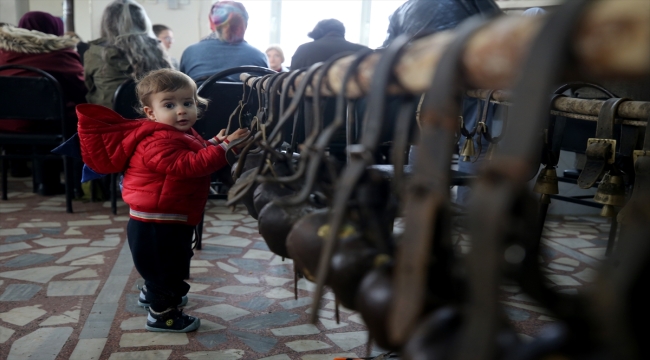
{"x":38,"y":41}
{"x":225,"y":47}
{"x":329,"y":40}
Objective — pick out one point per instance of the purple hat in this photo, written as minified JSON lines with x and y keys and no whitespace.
{"x":230,"y":18}
{"x":43,"y":22}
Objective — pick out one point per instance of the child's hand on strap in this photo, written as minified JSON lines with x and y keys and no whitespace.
{"x":238,"y":134}
{"x":221,"y":136}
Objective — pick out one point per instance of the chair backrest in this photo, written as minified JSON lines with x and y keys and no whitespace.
{"x":223,"y":99}
{"x":38,"y":97}
{"x":125,"y":100}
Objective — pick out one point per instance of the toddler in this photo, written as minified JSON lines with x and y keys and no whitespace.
{"x":167,"y":168}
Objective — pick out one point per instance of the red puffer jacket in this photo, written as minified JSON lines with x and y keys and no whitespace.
{"x":166,"y":172}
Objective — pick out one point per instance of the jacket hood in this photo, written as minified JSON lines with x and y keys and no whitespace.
{"x":107,"y":139}
{"x":33,"y":42}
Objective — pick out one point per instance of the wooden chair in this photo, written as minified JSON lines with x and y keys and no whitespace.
{"x":37,"y":99}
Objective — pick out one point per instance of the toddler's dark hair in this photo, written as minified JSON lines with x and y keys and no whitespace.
{"x":166,"y":80}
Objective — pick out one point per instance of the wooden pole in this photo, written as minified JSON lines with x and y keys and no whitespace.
{"x":612,"y":40}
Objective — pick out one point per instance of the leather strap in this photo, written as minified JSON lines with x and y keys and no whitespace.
{"x":601,"y":150}
{"x":427,"y":197}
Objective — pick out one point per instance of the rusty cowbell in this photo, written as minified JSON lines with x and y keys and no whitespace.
{"x":468,"y":149}
{"x":611,"y":193}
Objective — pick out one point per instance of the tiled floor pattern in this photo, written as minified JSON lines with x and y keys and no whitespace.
{"x":68,"y":288}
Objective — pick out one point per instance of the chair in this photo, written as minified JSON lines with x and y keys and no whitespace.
{"x":125,"y":103}
{"x":223,"y":97}
{"x":37,"y":99}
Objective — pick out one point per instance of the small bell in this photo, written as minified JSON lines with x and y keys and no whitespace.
{"x":547,"y":182}
{"x":490,"y":151}
{"x":611,"y":193}
{"x":468,"y":149}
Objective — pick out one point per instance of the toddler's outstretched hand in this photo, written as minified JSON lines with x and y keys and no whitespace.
{"x":238,"y":134}
{"x":221,"y":136}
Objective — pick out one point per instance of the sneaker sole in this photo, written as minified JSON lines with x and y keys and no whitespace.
{"x":184,"y":301}
{"x":191,"y":327}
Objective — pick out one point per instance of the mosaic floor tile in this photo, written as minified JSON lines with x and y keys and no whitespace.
{"x":292,"y":304}
{"x":42,"y":344}
{"x":560,"y":267}
{"x":306,"y":285}
{"x":152,"y":339}
{"x":211,"y":341}
{"x":68,"y":317}
{"x":515,"y":314}
{"x":88,"y":349}
{"x":225,"y":230}
{"x":278,"y":318}
{"x":331,"y":324}
{"x":91,"y":260}
{"x":49,"y":242}
{"x":85,"y":273}
{"x":307,"y":345}
{"x":51,"y":250}
{"x":329,"y":356}
{"x":28,"y":260}
{"x":246,"y":230}
{"x":277,"y":260}
{"x":198,"y":270}
{"x":563,"y":280}
{"x":132,"y":307}
{"x":258,"y":254}
{"x":39,"y":274}
{"x":39,"y":225}
{"x":74,"y":230}
{"x":22,"y":316}
{"x":256,"y":303}
{"x":223,"y":223}
{"x":279,"y":293}
{"x":260,"y":245}
{"x":567,"y":261}
{"x":226,"y":267}
{"x":222,"y":250}
{"x":89,"y":222}
{"x":277,"y":357}
{"x":134,"y":323}
{"x":72,"y":288}
{"x":229,"y":216}
{"x":141,"y":355}
{"x":573,"y":243}
{"x":247,"y":279}
{"x":80,"y":252}
{"x":228,"y":240}
{"x":5,"y":334}
{"x":224,"y":311}
{"x":248,"y":264}
{"x":587,"y":275}
{"x":14,"y":247}
{"x":207,"y":325}
{"x":349,"y":340}
{"x":230,"y":354}
{"x":596,"y":253}
{"x":257,"y":343}
{"x":195,"y":287}
{"x":276,"y":281}
{"x":111,"y":242}
{"x":203,"y":263}
{"x":7,"y":232}
{"x":238,"y":290}
{"x":20,"y":292}
{"x":206,"y":297}
{"x":305,"y":329}
{"x":24,"y":237}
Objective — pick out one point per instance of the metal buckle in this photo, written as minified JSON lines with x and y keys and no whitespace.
{"x":612,"y":144}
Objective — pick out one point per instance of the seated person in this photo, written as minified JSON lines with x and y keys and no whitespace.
{"x":166,"y":37}
{"x":225,"y":47}
{"x":276,"y":58}
{"x":38,"y":41}
{"x":127,"y":49}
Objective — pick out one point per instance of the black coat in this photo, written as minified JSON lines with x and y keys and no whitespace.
{"x":321,"y":50}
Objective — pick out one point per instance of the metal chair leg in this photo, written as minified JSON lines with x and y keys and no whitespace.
{"x":199,"y":232}
{"x":69,"y":179}
{"x":114,"y":193}
{"x":5,"y":165}
{"x":612,"y":237}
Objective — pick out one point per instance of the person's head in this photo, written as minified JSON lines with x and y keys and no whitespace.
{"x":43,"y":22}
{"x":276,"y":57}
{"x":325,"y":27}
{"x":170,"y":97}
{"x":164,"y":34}
{"x":229,"y":20}
{"x":126,"y":27}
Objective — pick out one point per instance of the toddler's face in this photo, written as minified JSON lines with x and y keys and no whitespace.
{"x":177,"y":109}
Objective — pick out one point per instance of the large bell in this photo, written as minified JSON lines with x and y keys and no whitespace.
{"x":547,"y":182}
{"x":468,"y":149}
{"x":611,"y":193}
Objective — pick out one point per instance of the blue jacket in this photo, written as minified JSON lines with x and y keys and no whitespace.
{"x":210,"y":56}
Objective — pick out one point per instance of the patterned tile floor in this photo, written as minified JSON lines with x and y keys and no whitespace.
{"x":68,"y":288}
